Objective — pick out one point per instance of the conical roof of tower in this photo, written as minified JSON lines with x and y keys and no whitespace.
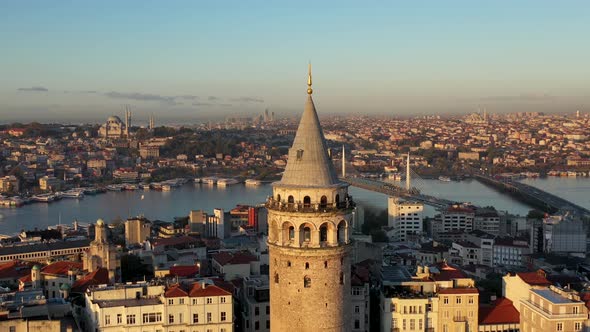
{"x":309,"y":163}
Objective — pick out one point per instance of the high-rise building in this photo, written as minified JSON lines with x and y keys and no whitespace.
{"x":309,"y":247}
{"x":405,"y":218}
{"x":137,"y":230}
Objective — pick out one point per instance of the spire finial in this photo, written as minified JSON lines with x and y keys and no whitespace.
{"x":309,"y":90}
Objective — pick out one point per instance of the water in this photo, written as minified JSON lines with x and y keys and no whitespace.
{"x":179,"y":201}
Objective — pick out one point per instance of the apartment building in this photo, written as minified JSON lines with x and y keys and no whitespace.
{"x":405,"y":218}
{"x":553,"y":309}
{"x":197,"y":306}
{"x":455,"y":218}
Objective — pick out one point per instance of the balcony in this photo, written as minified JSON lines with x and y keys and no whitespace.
{"x":273,"y":204}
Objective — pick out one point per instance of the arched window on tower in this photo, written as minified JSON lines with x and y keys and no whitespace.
{"x":337,"y":200}
{"x":323,"y":202}
{"x":276,"y":278}
{"x":290,"y":199}
{"x":306,"y":201}
{"x":278,"y":197}
{"x":323,"y":234}
{"x":306,"y":234}
{"x":341,"y":235}
{"x":306,"y":282}
{"x":291,"y":233}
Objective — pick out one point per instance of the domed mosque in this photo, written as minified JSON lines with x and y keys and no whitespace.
{"x":115,"y":128}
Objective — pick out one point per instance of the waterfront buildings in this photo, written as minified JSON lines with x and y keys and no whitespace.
{"x":309,"y":249}
{"x":43,"y":252}
{"x":9,"y":183}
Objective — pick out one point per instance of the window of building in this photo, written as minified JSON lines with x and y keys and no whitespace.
{"x":412,"y":324}
{"x":268,"y":310}
{"x":195,"y":318}
{"x":306,"y":282}
{"x":559,"y":326}
{"x":458,"y":300}
{"x":152,"y":317}
{"x":403,"y":324}
{"x":268,"y":324}
{"x":341,"y":278}
{"x":119,"y":319}
{"x":256,"y":311}
{"x":470,"y":300}
{"x":445,"y":300}
{"x":357,"y":324}
{"x":180,"y":318}
{"x":428,"y":307}
{"x":306,"y":265}
{"x":222,"y":299}
{"x":209,"y":300}
{"x":276,"y":278}
{"x":194,"y":301}
{"x":291,"y":233}
{"x":180,"y":301}
{"x":170,"y":301}
{"x":306,"y":234}
{"x":107,"y":319}
{"x":256,"y":325}
{"x":170,"y":319}
{"x":223,"y":316}
{"x":208,"y":317}
{"x":576,"y":310}
{"x":130,"y":319}
{"x":578,"y":326}
{"x":420,"y":324}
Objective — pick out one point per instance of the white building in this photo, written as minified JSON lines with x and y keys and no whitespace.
{"x":455,"y":218}
{"x":487,"y":220}
{"x":198,"y":307}
{"x":509,"y":252}
{"x":405,"y":218}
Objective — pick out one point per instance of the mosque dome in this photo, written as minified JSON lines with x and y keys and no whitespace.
{"x":114,"y":118}
{"x":100,"y":222}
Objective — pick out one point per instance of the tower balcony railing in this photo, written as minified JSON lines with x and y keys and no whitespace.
{"x":273,"y":204}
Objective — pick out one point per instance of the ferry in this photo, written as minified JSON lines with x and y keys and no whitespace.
{"x":114,"y":187}
{"x":226,"y":182}
{"x":166,"y":187}
{"x":129,"y":186}
{"x":73,"y":194}
{"x":210,"y":180}
{"x":444,"y":178}
{"x":252,"y":182}
{"x":45,"y":198}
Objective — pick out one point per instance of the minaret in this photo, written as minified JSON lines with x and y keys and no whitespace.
{"x":127,"y":120}
{"x":408,"y":183}
{"x":343,"y":162}
{"x":309,"y":246}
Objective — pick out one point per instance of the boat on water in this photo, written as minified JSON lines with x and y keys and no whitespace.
{"x":12,"y":201}
{"x":73,"y":194}
{"x":44,"y":198}
{"x":444,"y":178}
{"x":253,"y":182}
{"x":197,"y":180}
{"x":210,"y":180}
{"x":129,"y":187}
{"x":145,"y":186}
{"x":114,"y":187}
{"x":166,"y":187}
{"x":226,"y":182}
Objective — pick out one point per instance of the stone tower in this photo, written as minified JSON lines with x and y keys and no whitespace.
{"x":102,"y":254}
{"x":309,"y":248}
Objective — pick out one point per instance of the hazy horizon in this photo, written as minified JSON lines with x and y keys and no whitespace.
{"x":192,"y":61}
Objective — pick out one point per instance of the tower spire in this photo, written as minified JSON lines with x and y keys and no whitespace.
{"x":309,"y":89}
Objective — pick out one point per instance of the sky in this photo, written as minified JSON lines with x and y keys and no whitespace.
{"x":187,"y":61}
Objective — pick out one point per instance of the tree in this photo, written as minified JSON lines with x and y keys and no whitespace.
{"x":132,"y":269}
{"x":535,"y":214}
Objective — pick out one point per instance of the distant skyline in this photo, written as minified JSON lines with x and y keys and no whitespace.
{"x":75,"y":61}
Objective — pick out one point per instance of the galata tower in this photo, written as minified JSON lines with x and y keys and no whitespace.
{"x":309,"y":247}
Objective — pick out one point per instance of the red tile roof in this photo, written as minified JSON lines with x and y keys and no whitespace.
{"x":198,"y":290}
{"x":174,"y":241}
{"x":175,"y":291}
{"x":502,"y":311}
{"x":61,"y":267}
{"x":230,"y":258}
{"x":536,"y":278}
{"x":447,"y":272}
{"x":15,"y":269}
{"x":184,"y":271}
{"x":98,"y":277}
